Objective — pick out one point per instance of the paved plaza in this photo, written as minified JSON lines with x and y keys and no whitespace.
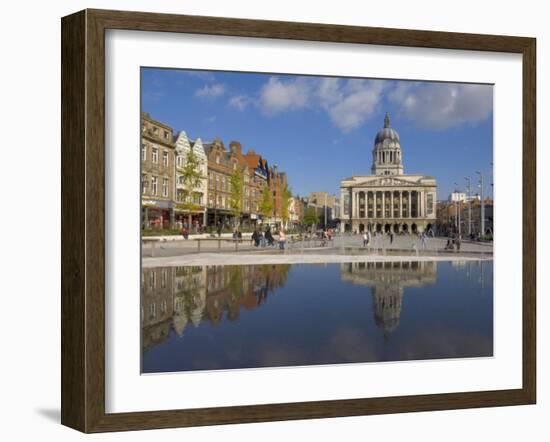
{"x":343,"y":248}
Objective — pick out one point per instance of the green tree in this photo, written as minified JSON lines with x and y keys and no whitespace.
{"x":236,"y":199}
{"x":286,"y":195}
{"x":311,"y":217}
{"x":190,"y":176}
{"x":266,"y":203}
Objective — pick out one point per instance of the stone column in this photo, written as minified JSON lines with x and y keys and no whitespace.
{"x":400,"y":204}
{"x":391,"y":205}
{"x":383,"y":204}
{"x":350,"y":204}
{"x":409,"y":212}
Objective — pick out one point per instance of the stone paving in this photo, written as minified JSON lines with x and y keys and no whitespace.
{"x":342,"y":249}
{"x":176,"y":246}
{"x":295,"y":258}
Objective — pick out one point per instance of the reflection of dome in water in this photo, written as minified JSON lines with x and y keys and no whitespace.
{"x":387,"y":308}
{"x":388,"y":281}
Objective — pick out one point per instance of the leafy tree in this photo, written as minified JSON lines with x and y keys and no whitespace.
{"x":236,"y":199}
{"x":286,"y":195}
{"x":191,"y":176}
{"x":266,"y":203}
{"x":311,"y":217}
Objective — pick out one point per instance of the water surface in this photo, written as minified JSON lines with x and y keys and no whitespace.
{"x":225,"y":317}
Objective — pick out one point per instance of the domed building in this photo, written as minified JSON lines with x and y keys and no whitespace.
{"x":388,"y":199}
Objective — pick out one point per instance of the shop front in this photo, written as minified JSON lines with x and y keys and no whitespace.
{"x":156,"y":214}
{"x":195,"y":219}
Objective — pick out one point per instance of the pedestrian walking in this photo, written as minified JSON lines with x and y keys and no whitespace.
{"x":255,"y":238}
{"x":282,"y":239}
{"x":269,"y":237}
{"x":391,"y":237}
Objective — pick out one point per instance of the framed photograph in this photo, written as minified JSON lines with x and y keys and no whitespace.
{"x":269,"y":220}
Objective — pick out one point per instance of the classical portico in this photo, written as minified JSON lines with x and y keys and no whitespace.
{"x":388,"y":200}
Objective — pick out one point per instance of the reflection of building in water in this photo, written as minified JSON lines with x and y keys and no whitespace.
{"x":157,"y":294}
{"x":178,"y":296}
{"x":189,"y":296}
{"x":388,"y":280}
{"x":231,"y":287}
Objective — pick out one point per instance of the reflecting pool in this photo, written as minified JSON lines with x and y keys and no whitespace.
{"x":224,"y":317}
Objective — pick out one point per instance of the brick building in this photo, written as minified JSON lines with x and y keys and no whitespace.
{"x":157,"y":173}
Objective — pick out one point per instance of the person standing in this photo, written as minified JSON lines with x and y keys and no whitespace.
{"x":365,"y":239}
{"x":391,"y":237}
{"x":255,"y":238}
{"x":282,"y":239}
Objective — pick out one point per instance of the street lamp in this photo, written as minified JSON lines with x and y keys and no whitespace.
{"x":469,"y":205}
{"x":482,"y":215}
{"x":458,"y":209}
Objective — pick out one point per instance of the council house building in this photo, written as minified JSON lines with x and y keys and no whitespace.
{"x":388,"y":199}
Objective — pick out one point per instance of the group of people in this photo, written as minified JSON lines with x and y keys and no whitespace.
{"x":265,"y":238}
{"x":453,"y":242}
{"x":185,"y":229}
{"x":376,"y":240}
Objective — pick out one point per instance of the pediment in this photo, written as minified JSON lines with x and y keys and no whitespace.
{"x":386,"y":181}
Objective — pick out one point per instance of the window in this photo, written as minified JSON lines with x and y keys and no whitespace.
{"x":217,"y":181}
{"x":181,"y":180}
{"x":152,"y":310}
{"x":143,"y":152}
{"x":223,"y":201}
{"x":163,"y":279}
{"x":210,"y":179}
{"x":165,"y":159}
{"x":155,"y":130}
{"x":153,"y":185}
{"x":223,"y":183}
{"x":165,"y":134}
{"x":165,"y":187}
{"x":143,"y":184}
{"x":210,"y":200}
{"x":155,"y":155}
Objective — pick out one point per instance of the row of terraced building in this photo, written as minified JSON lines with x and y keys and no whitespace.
{"x":165,"y":199}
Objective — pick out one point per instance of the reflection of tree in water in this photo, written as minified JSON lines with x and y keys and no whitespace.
{"x":181,"y":296}
{"x":388,"y":280}
{"x":231,"y":287}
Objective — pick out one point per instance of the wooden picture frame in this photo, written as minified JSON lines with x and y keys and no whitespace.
{"x":83,"y":219}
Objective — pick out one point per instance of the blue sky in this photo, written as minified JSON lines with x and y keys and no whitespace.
{"x":321,"y":129}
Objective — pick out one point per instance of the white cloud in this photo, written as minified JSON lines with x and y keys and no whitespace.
{"x":278,"y":96}
{"x":349,"y":103}
{"x":210,"y":91}
{"x":443,"y":105}
{"x":239,"y":101}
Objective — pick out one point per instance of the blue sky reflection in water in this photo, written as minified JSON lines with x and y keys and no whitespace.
{"x":224,"y":317}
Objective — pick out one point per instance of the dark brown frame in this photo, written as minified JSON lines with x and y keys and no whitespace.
{"x":83,"y":216}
